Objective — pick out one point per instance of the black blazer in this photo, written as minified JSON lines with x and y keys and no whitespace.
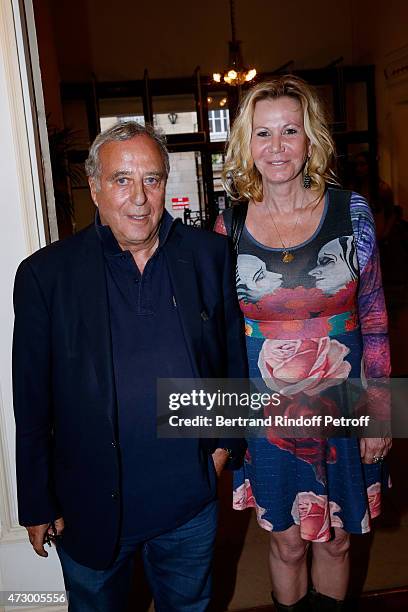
{"x":64,"y":392}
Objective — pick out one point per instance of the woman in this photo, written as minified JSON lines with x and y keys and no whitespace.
{"x":309,"y":288}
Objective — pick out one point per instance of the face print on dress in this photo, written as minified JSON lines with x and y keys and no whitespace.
{"x":336,"y":265}
{"x":254,"y":281}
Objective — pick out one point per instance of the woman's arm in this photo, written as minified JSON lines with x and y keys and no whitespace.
{"x":371,"y":303}
{"x":374,"y":324}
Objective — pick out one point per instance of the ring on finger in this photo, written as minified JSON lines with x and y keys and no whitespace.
{"x":378,"y":459}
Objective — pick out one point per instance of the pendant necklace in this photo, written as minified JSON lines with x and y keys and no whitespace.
{"x":287,"y":255}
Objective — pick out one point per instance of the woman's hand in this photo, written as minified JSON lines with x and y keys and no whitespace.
{"x":372,"y":450}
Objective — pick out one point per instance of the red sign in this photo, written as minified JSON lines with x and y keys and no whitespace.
{"x":180,"y":202}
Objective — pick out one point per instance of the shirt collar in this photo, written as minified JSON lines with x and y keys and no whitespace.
{"x":109,"y":242}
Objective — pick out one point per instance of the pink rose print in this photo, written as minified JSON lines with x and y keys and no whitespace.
{"x":335,"y":520}
{"x":261,"y":521}
{"x":374,"y":499}
{"x":243,"y":497}
{"x":309,"y":366}
{"x":365,"y":523}
{"x":311,"y":512}
{"x":374,"y":506}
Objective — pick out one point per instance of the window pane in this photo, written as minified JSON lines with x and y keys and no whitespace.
{"x":218,"y":116}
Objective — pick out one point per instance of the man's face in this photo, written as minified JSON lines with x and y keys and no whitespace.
{"x":131,"y":190}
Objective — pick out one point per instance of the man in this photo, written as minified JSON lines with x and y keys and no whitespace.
{"x":99,"y":317}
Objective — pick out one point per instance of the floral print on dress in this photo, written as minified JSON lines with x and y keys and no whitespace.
{"x":303,"y":366}
{"x":244,"y":498}
{"x":374,"y":499}
{"x":310,"y":325}
{"x":315,"y":515}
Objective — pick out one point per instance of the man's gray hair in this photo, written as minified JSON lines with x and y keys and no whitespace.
{"x":124,"y":130}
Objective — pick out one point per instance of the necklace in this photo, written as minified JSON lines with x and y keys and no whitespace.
{"x":287,"y":255}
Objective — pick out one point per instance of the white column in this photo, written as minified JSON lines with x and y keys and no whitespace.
{"x":21,"y":233}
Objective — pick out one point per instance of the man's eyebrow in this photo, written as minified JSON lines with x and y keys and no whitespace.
{"x":158,"y":173}
{"x":118,"y":173}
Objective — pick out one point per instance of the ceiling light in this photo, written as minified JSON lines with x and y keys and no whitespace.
{"x":236,"y":73}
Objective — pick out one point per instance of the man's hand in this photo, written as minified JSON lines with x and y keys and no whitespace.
{"x":38,"y":533}
{"x":220,"y":457}
{"x":373,"y":450}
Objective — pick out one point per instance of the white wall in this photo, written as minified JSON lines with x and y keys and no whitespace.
{"x":21,"y":232}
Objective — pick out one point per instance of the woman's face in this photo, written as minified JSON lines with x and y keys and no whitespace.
{"x":336,"y":265}
{"x":279,"y":144}
{"x":254,"y":281}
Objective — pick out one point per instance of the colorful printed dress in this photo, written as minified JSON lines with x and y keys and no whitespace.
{"x":321,"y":316}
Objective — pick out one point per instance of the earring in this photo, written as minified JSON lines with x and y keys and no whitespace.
{"x":307,"y":179}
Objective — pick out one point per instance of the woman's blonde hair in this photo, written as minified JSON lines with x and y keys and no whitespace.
{"x":241,"y":178}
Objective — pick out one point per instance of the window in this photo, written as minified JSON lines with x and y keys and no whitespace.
{"x":219,"y":124}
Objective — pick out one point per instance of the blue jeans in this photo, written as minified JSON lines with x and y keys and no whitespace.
{"x":177,"y":565}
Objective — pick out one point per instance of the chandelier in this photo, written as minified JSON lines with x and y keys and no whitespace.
{"x":236,"y":73}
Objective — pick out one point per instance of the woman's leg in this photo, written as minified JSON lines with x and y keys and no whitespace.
{"x":330,"y":565}
{"x":287,"y":563}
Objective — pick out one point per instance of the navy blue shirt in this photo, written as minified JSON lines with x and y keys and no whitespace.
{"x":163,"y":481}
